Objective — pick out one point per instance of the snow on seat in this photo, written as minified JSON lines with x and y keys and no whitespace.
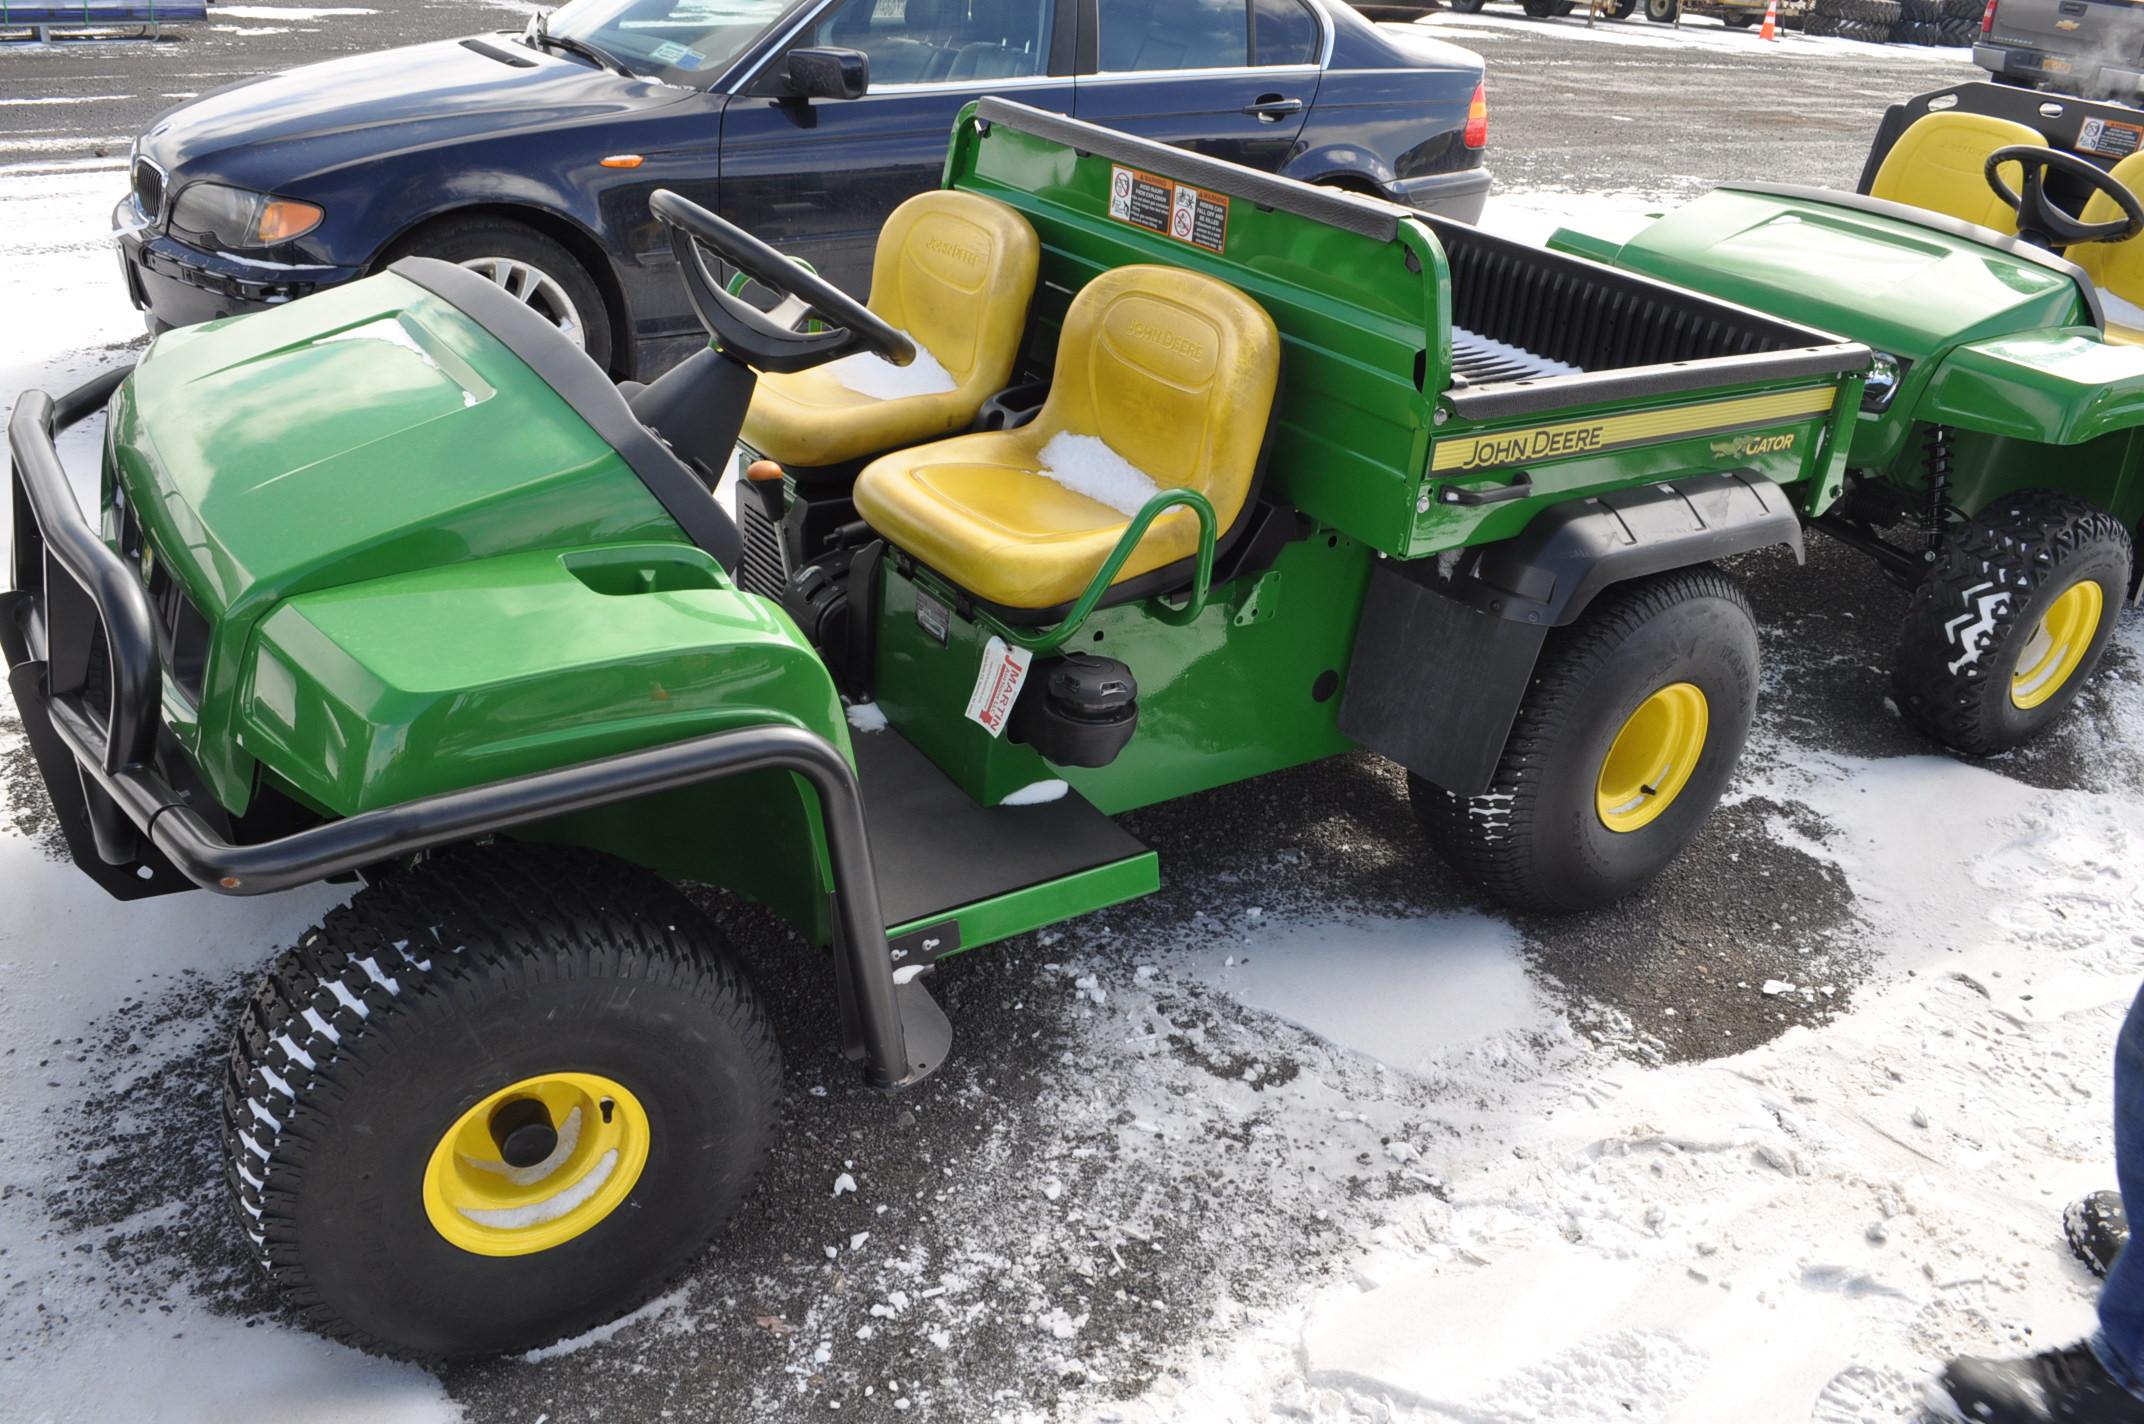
{"x":1481,"y":360}
{"x":1164,"y":380}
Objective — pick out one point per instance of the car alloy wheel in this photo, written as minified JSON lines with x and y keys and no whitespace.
{"x":536,"y":289}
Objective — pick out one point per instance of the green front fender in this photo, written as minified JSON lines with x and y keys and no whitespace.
{"x":2059,"y":387}
{"x":377,"y":693}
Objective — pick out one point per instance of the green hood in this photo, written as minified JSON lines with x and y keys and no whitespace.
{"x":1898,"y":286}
{"x":330,"y":442}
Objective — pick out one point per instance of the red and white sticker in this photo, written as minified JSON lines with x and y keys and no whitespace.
{"x":997,"y":685}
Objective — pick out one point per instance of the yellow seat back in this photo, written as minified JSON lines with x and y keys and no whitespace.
{"x":1940,"y":162}
{"x":2116,"y":268}
{"x":956,"y":272}
{"x":1174,"y":371}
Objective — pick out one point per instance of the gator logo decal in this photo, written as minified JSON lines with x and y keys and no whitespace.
{"x":1457,"y":454}
{"x":1743,"y":447}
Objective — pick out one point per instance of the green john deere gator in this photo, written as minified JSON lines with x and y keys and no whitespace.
{"x":1140,"y":474}
{"x":1992,"y":258}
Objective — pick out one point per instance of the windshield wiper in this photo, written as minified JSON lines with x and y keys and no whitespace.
{"x":540,"y":32}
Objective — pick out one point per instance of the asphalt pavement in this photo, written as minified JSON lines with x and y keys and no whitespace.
{"x":954,"y":1173}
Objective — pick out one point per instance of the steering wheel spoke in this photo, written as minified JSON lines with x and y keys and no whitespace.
{"x":769,"y":340}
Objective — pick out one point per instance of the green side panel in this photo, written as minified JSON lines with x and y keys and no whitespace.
{"x":1235,"y":694}
{"x":2059,"y":387}
{"x":1362,"y":321}
{"x":758,"y":836}
{"x":1784,"y":431}
{"x":988,"y":921}
{"x":368,"y":431}
{"x":1985,"y":468}
{"x":376,"y":693}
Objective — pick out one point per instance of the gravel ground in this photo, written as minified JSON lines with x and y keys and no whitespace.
{"x":1007,"y":1254}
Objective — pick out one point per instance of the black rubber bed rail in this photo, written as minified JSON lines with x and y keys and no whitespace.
{"x":63,"y":568}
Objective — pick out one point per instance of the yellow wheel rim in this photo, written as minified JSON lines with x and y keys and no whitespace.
{"x":1652,"y":757}
{"x":480,"y":1203}
{"x":2058,"y":645}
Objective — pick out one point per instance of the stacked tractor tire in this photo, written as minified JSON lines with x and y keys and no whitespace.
{"x":1916,"y":22}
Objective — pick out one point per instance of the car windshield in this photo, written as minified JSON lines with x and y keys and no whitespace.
{"x":682,"y":41}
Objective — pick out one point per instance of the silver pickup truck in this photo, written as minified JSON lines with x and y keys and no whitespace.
{"x":2090,"y":48}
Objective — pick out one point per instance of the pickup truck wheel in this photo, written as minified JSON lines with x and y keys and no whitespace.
{"x":1623,"y":744}
{"x":494,"y":1102}
{"x":2011,"y":620}
{"x":528,"y":266}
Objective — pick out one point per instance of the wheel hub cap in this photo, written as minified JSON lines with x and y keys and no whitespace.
{"x":536,"y":289}
{"x":2058,"y":645}
{"x":536,"y":1164}
{"x":1652,"y":757}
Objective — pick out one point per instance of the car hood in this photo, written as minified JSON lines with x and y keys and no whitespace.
{"x":317,"y":117}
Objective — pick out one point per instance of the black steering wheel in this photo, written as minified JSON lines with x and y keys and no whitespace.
{"x":2039,"y":220}
{"x":746,"y":332}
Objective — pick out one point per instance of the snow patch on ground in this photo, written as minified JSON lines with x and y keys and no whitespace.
{"x":1827,"y":1217}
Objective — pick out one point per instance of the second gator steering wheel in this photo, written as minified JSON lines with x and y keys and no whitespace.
{"x":745,"y":331}
{"x":2038,"y":219}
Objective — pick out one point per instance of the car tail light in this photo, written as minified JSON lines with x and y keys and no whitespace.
{"x":1987,"y":19}
{"x":1476,"y":133}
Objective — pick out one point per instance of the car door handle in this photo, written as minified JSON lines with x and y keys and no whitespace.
{"x":1272,"y":108}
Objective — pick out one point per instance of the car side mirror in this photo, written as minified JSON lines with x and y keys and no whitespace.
{"x":828,"y":73}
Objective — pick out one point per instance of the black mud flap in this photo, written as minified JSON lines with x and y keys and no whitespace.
{"x":928,"y":1030}
{"x":1434,"y":684}
{"x":1447,"y":646}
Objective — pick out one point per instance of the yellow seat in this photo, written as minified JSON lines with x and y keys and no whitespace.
{"x":2116,"y":268}
{"x":1167,"y":371}
{"x":956,"y":272}
{"x":1940,"y":163}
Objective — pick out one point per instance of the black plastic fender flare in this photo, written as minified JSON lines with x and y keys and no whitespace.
{"x":1446,"y":648}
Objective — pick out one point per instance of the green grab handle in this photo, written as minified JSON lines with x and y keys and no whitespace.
{"x":1049,"y":640}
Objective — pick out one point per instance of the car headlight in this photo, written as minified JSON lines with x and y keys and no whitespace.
{"x":234,"y":218}
{"x":1885,"y":372}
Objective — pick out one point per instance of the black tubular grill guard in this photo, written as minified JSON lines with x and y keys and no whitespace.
{"x":68,"y":583}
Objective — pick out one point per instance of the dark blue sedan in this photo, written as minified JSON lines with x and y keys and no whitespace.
{"x":529,"y":158}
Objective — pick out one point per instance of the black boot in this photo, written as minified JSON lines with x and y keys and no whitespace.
{"x":2097,"y":1229}
{"x":2066,"y":1386}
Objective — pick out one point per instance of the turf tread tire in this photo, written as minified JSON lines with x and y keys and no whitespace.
{"x":1488,"y":838}
{"x":325,"y":1011}
{"x":2016,"y":545}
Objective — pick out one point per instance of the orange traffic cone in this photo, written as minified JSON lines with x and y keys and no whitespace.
{"x":1771,"y":21}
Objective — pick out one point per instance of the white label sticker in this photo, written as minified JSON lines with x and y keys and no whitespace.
{"x":998,"y":685}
